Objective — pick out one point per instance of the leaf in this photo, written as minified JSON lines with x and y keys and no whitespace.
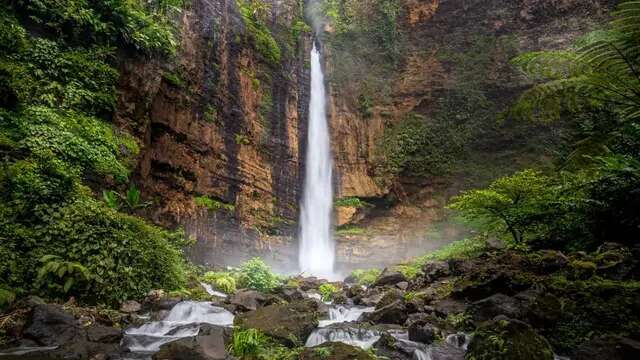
{"x":68,"y":284}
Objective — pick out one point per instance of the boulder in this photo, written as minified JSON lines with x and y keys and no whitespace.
{"x":610,"y":348}
{"x":130,"y":307}
{"x":435,"y":270}
{"x":51,"y":325}
{"x":355,"y":290}
{"x":103,"y":334}
{"x":403,"y":285}
{"x":390,"y":296}
{"x":210,"y":344}
{"x":498,"y":304}
{"x":549,"y":261}
{"x":508,"y":339}
{"x":335,"y":351}
{"x":285,"y":323}
{"x":394,"y":313}
{"x":248,"y":300}
{"x":544,"y":311}
{"x":449,"y":306}
{"x":292,"y":294}
{"x":422,"y":332}
{"x":389,"y":277}
{"x":388,"y":347}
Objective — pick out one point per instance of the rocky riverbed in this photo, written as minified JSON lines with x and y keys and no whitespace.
{"x":499,"y":305}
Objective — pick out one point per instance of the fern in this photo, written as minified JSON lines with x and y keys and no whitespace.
{"x":602,"y":71}
{"x":66,"y":272}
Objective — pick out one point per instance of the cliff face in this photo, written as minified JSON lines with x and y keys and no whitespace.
{"x":222,"y":126}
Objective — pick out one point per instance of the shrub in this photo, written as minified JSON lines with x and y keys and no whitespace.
{"x":212,"y":204}
{"x":327,"y":291}
{"x":255,"y":274}
{"x":252,"y":344}
{"x":350,"y":202}
{"x":262,"y":38}
{"x":347,"y":230}
{"x":366,"y":276}
{"x":223,"y":281}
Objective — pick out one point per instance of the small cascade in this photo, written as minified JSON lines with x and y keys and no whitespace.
{"x":183,"y":320}
{"x":209,"y":289}
{"x":351,"y":335}
{"x":316,"y":255}
{"x":340,"y":314}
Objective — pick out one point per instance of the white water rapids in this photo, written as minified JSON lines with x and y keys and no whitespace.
{"x":316,"y":244}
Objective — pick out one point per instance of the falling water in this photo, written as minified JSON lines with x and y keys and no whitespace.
{"x":316,"y":245}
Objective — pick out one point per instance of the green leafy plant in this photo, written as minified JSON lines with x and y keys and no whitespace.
{"x":327,"y":291}
{"x":347,"y":230}
{"x":366,"y":276}
{"x":323,"y":352}
{"x":255,"y":274}
{"x":248,"y":344}
{"x":223,"y":281}
{"x":69,"y":273}
{"x":350,"y":202}
{"x":253,"y":12}
{"x":212,"y":204}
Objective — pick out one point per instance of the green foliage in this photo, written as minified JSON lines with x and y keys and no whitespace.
{"x":416,"y":147}
{"x":66,"y":272}
{"x":350,"y":230}
{"x":242,"y":139}
{"x":131,"y":199}
{"x":7,"y":297}
{"x":461,"y":249}
{"x":223,"y":281}
{"x":212,"y":204}
{"x":515,"y":204}
{"x":253,"y":12}
{"x":255,"y":274}
{"x":327,"y":291}
{"x":251,"y":344}
{"x":600,"y":72}
{"x":323,"y":352}
{"x":350,"y":202}
{"x":173,"y":78}
{"x":366,"y":276}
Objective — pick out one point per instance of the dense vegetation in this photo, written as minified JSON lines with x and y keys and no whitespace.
{"x":57,"y":95}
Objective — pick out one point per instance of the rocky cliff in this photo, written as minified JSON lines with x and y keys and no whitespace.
{"x":222,"y":125}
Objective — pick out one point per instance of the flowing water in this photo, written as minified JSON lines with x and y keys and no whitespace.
{"x":316,"y":244}
{"x":182,"y":321}
{"x":340,"y":314}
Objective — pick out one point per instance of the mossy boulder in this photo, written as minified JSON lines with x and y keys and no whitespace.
{"x":289,"y":324}
{"x":335,"y":351}
{"x":508,"y":339}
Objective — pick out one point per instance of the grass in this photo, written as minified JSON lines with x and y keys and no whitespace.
{"x":366,"y":276}
{"x":350,"y":230}
{"x":461,"y":249}
{"x":350,"y":202}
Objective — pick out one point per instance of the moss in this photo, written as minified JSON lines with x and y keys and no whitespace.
{"x":173,"y":78}
{"x":212,"y":204}
{"x":350,"y":202}
{"x":350,"y":230}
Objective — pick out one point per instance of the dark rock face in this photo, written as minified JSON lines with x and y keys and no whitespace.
{"x":389,"y":297}
{"x":394,"y":313}
{"x":283,"y":322}
{"x":210,"y":344}
{"x":434,"y":270}
{"x":335,"y":351}
{"x":248,"y":300}
{"x":389,"y":277}
{"x":421,"y":332}
{"x":610,"y":348}
{"x":507,"y":339}
{"x":498,"y":304}
{"x":51,"y":325}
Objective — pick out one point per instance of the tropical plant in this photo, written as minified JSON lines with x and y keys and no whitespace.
{"x":69,"y":273}
{"x":255,"y":274}
{"x":601,"y":72}
{"x":247,"y":344}
{"x":223,"y":281}
{"x":365,"y":276}
{"x":327,"y":291}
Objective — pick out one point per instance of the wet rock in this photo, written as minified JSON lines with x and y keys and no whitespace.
{"x":498,"y":304}
{"x":340,"y":299}
{"x":335,"y":351}
{"x":544,"y":311}
{"x":310,"y":283}
{"x":389,"y":297}
{"x":210,"y":344}
{"x":248,"y":300}
{"x":403,"y":285}
{"x":130,"y":306}
{"x":422,"y":332}
{"x":355,"y":290}
{"x":51,"y":325}
{"x":449,"y":306}
{"x":415,"y":305}
{"x":508,"y":339}
{"x":103,"y":334}
{"x":371,"y":299}
{"x":609,"y":348}
{"x":292,"y":294}
{"x":283,"y":322}
{"x":435,"y":270}
{"x":549,"y":261}
{"x":389,"y":277}
{"x":394,"y":313}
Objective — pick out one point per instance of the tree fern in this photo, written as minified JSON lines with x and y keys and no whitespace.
{"x":603,"y":70}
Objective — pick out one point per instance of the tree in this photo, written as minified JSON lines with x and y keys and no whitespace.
{"x":517,"y":204}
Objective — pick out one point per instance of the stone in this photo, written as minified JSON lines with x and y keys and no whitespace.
{"x":130,"y":306}
{"x":210,"y":344}
{"x":434,"y":270}
{"x":292,"y":294}
{"x":389,"y":277}
{"x":403,"y":285}
{"x":390,"y":296}
{"x":550,"y":261}
{"x":498,"y":304}
{"x":394,"y":313}
{"x":103,"y":334}
{"x":283,"y":322}
{"x":449,"y":306}
{"x":544,"y":311}
{"x":51,"y":325}
{"x":421,"y":332}
{"x":609,"y":348}
{"x":248,"y":300}
{"x":508,"y":339}
{"x":335,"y":351}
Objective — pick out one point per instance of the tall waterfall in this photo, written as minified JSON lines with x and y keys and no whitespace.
{"x":316,"y":244}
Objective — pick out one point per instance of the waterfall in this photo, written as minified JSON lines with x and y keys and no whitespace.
{"x":316,"y":244}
